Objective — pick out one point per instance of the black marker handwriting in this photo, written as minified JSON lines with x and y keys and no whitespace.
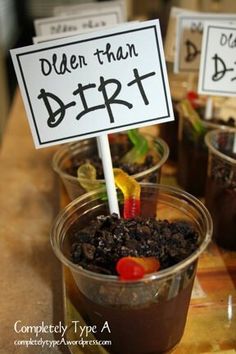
{"x":220,"y":68}
{"x":228,"y":40}
{"x":62,"y":65}
{"x":191,"y":51}
{"x":57,"y":116}
{"x":196,"y":27}
{"x":115,"y":55}
{"x":60,"y":112}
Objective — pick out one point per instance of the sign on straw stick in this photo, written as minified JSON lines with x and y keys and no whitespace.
{"x":170,"y":38}
{"x":88,"y":85}
{"x":50,"y":37}
{"x":86,"y":20}
{"x":90,"y":7}
{"x":217,"y":75}
{"x":91,"y":85}
{"x":218,"y":66}
{"x":189,"y":39}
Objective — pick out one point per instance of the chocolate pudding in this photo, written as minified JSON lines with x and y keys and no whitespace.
{"x":142,"y":319}
{"x":192,"y":154}
{"x":169,"y":132}
{"x":221,"y":200}
{"x":145,"y":314}
{"x":119,"y":145}
{"x":153,"y":327}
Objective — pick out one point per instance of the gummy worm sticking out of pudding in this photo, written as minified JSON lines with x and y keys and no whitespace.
{"x":188,"y":112}
{"x":86,"y":175}
{"x":193,"y":98}
{"x":139,"y":150}
{"x":128,"y":186}
{"x":132,"y":268}
{"x":128,"y":268}
{"x":131,"y":191}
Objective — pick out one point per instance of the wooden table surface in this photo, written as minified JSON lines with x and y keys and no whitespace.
{"x":30,"y":274}
{"x":31,"y":280}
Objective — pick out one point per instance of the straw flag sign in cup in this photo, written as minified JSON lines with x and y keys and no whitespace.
{"x":218,"y":62}
{"x":189,"y":38}
{"x":94,"y":17}
{"x":94,"y":84}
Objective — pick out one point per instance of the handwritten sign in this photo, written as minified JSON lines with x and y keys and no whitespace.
{"x":79,"y":21}
{"x":85,"y":86}
{"x":189,"y":39}
{"x":51,"y":37}
{"x":97,"y":7}
{"x":218,"y":60}
{"x":170,"y":39}
{"x":71,"y":9}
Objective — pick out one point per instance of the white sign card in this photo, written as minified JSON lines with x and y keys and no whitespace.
{"x":52,"y":37}
{"x":94,"y":84}
{"x":189,"y":39}
{"x":218,"y":60}
{"x":97,"y":7}
{"x":79,"y":21}
{"x":170,"y":39}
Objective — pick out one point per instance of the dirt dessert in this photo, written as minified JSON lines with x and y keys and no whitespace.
{"x":99,"y":246}
{"x":120,"y":145}
{"x":192,"y":150}
{"x":132,"y":313}
{"x":221,"y":199}
{"x":134,"y":273}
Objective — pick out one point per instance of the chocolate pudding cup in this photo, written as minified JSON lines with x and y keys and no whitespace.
{"x":70,"y":154}
{"x":179,"y":87}
{"x":146,"y":315}
{"x":221,"y":185}
{"x":192,"y":155}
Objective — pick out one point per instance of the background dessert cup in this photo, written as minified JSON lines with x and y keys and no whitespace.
{"x":146,"y":315}
{"x":221,"y":185}
{"x":70,"y":154}
{"x":179,"y":87}
{"x":192,"y":157}
{"x":192,"y":150}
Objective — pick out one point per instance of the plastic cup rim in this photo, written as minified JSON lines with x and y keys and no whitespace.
{"x":74,"y":179}
{"x":211,"y":148}
{"x":165,"y":273}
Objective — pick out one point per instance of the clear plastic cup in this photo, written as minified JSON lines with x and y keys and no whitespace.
{"x":64,"y":158}
{"x":221,"y":185}
{"x":192,"y":155}
{"x":146,"y":315}
{"x":179,"y":87}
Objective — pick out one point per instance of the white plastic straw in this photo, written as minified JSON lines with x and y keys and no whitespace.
{"x":99,"y":148}
{"x":208,"y":109}
{"x":108,"y":173}
{"x":234,"y":146}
